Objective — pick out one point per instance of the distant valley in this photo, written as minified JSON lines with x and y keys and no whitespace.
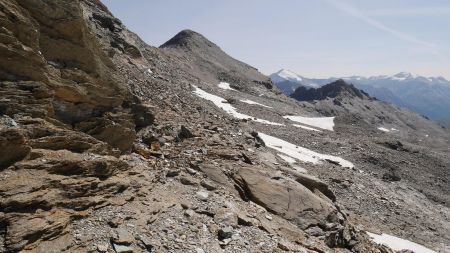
{"x":428,"y":96}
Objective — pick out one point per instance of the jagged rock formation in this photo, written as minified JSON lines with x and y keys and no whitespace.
{"x":335,"y":89}
{"x":103,"y":147}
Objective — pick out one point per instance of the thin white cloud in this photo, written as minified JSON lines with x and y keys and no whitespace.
{"x":353,"y":11}
{"x":430,"y":11}
{"x":356,"y":13}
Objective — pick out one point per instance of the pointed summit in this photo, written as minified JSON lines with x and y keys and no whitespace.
{"x":210,"y":62}
{"x":286,"y":75}
{"x":187,"y":39}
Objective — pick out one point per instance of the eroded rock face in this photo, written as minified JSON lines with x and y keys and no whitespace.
{"x":64,"y":120}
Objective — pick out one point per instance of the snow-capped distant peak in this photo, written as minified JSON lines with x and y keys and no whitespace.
{"x":403,"y":76}
{"x":286,"y":75}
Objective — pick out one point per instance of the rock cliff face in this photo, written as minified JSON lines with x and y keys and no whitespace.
{"x":66,"y":117}
{"x":104,"y":147}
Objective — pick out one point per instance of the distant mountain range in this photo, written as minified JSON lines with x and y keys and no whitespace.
{"x":429,"y":96}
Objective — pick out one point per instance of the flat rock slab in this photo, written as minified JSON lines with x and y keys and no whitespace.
{"x":284,"y":197}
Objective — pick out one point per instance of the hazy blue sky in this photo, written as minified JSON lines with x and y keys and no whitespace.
{"x":314,"y":38}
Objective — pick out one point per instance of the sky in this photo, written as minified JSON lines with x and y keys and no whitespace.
{"x":314,"y":38}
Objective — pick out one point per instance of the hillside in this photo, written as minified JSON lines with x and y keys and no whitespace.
{"x":108,"y":144}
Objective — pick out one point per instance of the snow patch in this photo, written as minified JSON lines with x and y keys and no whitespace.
{"x":287,"y":159}
{"x":384,"y":129}
{"x":307,"y":128}
{"x":398,"y":244}
{"x":250,"y":102}
{"x":300,"y":153}
{"x":225,"y":86}
{"x":387,"y":130}
{"x":326,"y":123}
{"x":148,"y":72}
{"x":228,"y":108}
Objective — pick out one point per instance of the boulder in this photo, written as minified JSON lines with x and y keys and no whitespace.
{"x":143,"y":114}
{"x":311,"y":182}
{"x":284,"y":197}
{"x":184,"y":133}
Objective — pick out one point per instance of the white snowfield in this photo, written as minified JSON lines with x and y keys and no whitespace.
{"x":398,"y":244}
{"x":307,"y":128}
{"x":326,"y":123}
{"x":300,"y":153}
{"x":250,"y":102}
{"x":225,"y":86}
{"x":224,"y":105}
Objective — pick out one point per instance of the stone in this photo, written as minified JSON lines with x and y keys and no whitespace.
{"x":102,"y":248}
{"x":225,"y":217}
{"x":311,"y":182}
{"x":123,"y":237}
{"x":225,"y":233}
{"x":189,"y":213}
{"x":208,"y":185}
{"x":122,"y":248}
{"x":285,"y":245}
{"x":116,"y":135}
{"x":199,"y":250}
{"x":188,"y":181}
{"x":143,"y":114}
{"x":314,"y":231}
{"x":149,"y":244}
{"x":244,"y":220}
{"x":191,"y":171}
{"x":115,"y":222}
{"x":284,"y":197}
{"x":203,"y":196}
{"x":172,"y":173}
{"x":215,"y":174}
{"x":391,"y":176}
{"x":7,"y":122}
{"x":184,"y":133}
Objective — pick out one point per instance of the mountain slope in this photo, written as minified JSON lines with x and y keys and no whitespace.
{"x":342,"y":98}
{"x":108,"y":144}
{"x":426,"y":96}
{"x":205,"y":59}
{"x":103,"y":147}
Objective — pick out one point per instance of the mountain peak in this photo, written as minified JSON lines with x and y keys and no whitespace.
{"x":401,"y":76}
{"x":188,"y":38}
{"x":338,"y":88}
{"x":286,"y":75}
